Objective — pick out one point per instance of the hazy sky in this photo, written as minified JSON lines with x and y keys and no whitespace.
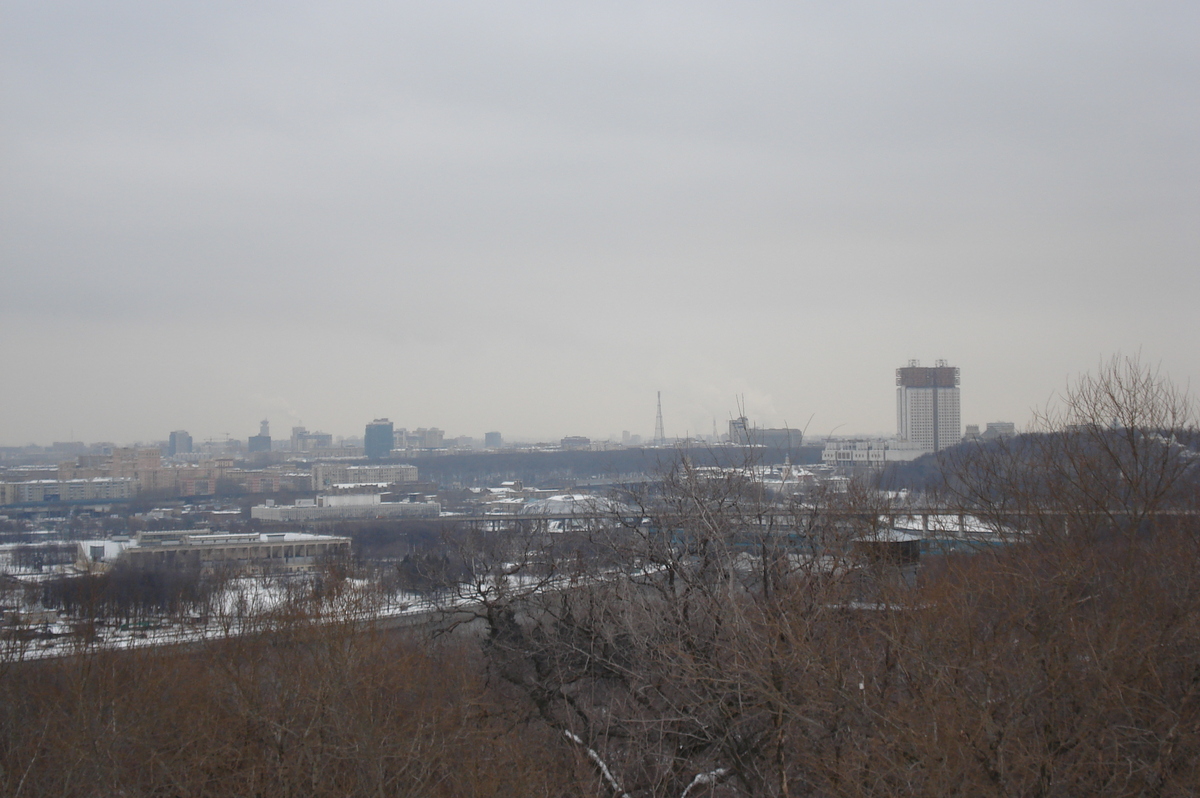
{"x":529,"y":217}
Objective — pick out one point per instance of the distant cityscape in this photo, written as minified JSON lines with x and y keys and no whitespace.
{"x":317,"y":558}
{"x":928,"y":419}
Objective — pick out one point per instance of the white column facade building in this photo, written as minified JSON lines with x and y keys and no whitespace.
{"x":927,"y":408}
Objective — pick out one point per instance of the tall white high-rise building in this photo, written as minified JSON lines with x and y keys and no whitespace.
{"x":927,"y":411}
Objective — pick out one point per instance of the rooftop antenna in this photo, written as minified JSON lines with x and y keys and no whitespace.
{"x":660,"y":435}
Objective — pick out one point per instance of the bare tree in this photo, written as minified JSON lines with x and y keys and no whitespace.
{"x":1115,"y":454}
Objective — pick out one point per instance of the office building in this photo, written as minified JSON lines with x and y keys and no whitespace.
{"x":179,"y":443}
{"x":378,"y":439}
{"x":927,"y":406}
{"x":262,"y":441}
{"x":492,"y":440}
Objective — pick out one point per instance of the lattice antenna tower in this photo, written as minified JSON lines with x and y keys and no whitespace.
{"x":660,"y":435}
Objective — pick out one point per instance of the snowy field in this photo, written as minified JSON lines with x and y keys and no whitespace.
{"x":247,"y":605}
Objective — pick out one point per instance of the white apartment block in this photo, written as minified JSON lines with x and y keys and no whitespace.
{"x":68,"y":490}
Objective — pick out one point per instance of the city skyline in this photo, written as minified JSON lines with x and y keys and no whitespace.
{"x":809,"y":426}
{"x":532,"y":218}
{"x":377,"y":430}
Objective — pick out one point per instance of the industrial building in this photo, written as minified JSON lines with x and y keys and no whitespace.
{"x":741,"y":433}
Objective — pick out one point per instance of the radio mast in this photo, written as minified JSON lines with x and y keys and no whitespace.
{"x":660,"y":435}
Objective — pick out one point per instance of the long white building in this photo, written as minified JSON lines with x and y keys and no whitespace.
{"x":271,"y":551}
{"x":869,"y":453}
{"x":67,"y":490}
{"x":344,"y":507}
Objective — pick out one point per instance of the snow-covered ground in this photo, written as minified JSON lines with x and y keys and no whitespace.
{"x":257,"y":604}
{"x":248,"y":605}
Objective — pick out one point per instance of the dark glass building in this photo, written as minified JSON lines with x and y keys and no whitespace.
{"x":378,"y":439}
{"x":179,"y":443}
{"x":262,"y":441}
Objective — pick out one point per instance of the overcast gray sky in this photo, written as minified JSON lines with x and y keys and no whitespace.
{"x":529,"y":217}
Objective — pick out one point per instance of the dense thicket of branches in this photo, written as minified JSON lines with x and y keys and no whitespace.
{"x":732,"y":646}
{"x":305,"y":711}
{"x":1060,"y":666}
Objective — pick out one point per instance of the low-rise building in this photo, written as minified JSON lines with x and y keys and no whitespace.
{"x":270,"y":551}
{"x":870,"y":453}
{"x":741,"y":433}
{"x":999,"y":429}
{"x":345,"y":507}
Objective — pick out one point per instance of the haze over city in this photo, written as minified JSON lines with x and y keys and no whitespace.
{"x":532,"y":217}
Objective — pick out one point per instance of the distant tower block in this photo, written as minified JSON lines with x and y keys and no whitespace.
{"x":660,"y":434}
{"x":180,"y":442}
{"x":378,"y":439}
{"x":262,"y":441}
{"x":927,"y":405}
